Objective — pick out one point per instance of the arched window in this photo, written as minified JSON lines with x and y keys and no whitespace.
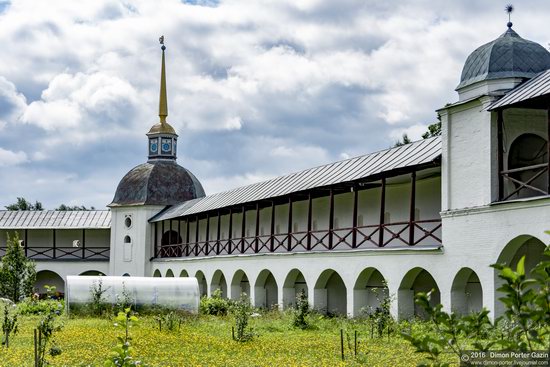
{"x":527,"y":160}
{"x":127,"y":239}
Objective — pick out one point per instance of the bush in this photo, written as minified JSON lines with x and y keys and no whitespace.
{"x":215,"y":305}
{"x":17,"y":273}
{"x":242,"y":310}
{"x":301,"y":312}
{"x":31,"y":306}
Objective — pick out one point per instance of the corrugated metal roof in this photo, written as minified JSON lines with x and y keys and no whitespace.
{"x":409,"y":155}
{"x":50,"y":219}
{"x":536,"y":87}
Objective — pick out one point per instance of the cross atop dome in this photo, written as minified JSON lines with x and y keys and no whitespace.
{"x":162,"y":136}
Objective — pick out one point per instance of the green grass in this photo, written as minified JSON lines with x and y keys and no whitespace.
{"x":206,"y":341}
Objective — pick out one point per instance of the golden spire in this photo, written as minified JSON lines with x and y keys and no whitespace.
{"x":162,"y":126}
{"x":163,"y":103}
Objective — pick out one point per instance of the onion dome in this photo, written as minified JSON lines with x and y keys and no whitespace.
{"x":509,"y":56}
{"x":160,"y":181}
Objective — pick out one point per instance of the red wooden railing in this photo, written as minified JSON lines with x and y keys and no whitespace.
{"x":399,"y":234}
{"x":65,"y":253}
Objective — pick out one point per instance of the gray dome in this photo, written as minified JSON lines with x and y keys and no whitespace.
{"x":159,"y":182}
{"x":509,"y":56}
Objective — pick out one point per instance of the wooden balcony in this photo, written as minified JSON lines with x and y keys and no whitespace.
{"x":388,"y":235}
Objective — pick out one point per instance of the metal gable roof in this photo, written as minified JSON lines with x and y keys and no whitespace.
{"x":53,"y":219}
{"x":409,"y":155}
{"x":536,"y":87}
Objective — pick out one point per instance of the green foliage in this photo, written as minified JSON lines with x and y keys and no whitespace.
{"x":121,"y":354}
{"x":98,"y":307}
{"x":50,"y":291}
{"x":380,"y":318}
{"x":34,"y":306}
{"x":124,"y":301}
{"x":17,"y":273}
{"x":47,"y":327}
{"x":23,"y":204}
{"x":404,"y":140}
{"x":433,"y":130}
{"x":525,"y":325}
{"x":215,"y":305}
{"x":64,"y":207}
{"x":527,"y":302}
{"x":9,"y":324}
{"x":170,"y":321}
{"x":241,"y":310}
{"x":449,"y":332}
{"x":301,"y":311}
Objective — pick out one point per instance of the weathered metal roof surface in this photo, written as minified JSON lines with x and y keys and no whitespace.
{"x":409,"y":155}
{"x":50,"y":219}
{"x":507,"y":56}
{"x":157,"y":183}
{"x":536,"y":87}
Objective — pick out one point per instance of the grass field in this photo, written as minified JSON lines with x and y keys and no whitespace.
{"x":206,"y":341}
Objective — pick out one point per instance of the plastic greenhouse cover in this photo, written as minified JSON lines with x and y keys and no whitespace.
{"x":171,"y":293}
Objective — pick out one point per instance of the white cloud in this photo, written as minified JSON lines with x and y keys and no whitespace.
{"x":12,"y":103}
{"x":9,"y":158}
{"x":256,"y":88}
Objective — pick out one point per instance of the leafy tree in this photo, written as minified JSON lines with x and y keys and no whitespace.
{"x":404,"y":140}
{"x":433,"y":130}
{"x":17,"y":273}
{"x":527,"y":318}
{"x":23,"y":204}
{"x":64,"y":207}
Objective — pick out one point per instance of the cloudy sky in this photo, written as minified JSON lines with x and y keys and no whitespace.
{"x":256,"y":88}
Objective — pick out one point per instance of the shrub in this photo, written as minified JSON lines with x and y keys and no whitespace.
{"x":215,"y":305}
{"x":98,"y":306}
{"x":9,"y":324}
{"x":242,"y":310}
{"x":526,"y":320}
{"x":121,"y":354}
{"x":46,"y":330}
{"x":301,"y":311}
{"x":30,"y":306}
{"x":17,"y":273}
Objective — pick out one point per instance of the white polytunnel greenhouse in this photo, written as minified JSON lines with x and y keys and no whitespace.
{"x":178,"y":294}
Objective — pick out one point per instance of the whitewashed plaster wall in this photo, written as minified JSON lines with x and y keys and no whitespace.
{"x":132,"y":257}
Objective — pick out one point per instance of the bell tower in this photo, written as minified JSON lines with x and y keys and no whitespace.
{"x":162,"y":137}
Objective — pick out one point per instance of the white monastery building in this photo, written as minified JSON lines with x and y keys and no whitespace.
{"x":433,"y":214}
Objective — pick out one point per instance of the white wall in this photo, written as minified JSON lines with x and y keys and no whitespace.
{"x":132,"y":258}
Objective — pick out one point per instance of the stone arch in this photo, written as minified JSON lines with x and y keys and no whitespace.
{"x":239,"y":285}
{"x":416,"y":280}
{"x":524,"y":245}
{"x":294,"y":284}
{"x":369,"y":291}
{"x":466,"y":292}
{"x":169,"y":273}
{"x":330,"y":294}
{"x":184,"y":274}
{"x":203,"y":286}
{"x":218,"y":282}
{"x":92,"y":273}
{"x":157,"y":274}
{"x":50,"y":278}
{"x":265,"y":290}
